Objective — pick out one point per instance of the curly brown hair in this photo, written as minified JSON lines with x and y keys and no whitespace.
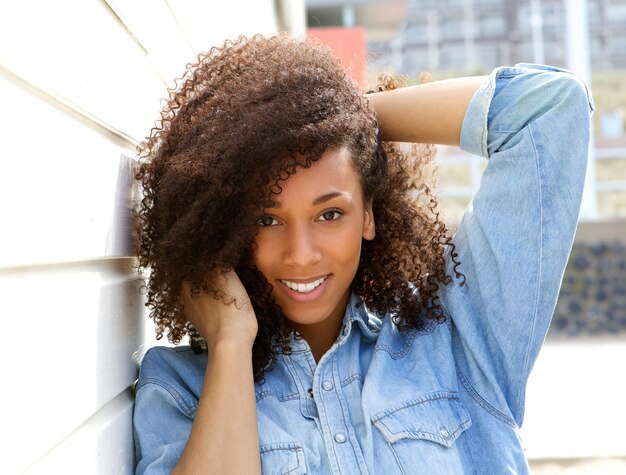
{"x":240,"y":121}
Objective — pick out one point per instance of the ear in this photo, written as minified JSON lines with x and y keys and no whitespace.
{"x":369,"y":227}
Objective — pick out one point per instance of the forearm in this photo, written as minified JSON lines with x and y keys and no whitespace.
{"x":224,"y":438}
{"x":426,"y":113}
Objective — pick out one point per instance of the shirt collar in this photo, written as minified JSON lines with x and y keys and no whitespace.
{"x":356,"y":313}
{"x":369,"y":322}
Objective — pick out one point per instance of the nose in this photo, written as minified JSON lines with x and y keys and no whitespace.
{"x":301,"y":247}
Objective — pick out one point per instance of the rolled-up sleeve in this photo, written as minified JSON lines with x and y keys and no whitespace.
{"x":532,"y":123}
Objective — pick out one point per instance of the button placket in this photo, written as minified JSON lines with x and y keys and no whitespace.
{"x":329,"y":400}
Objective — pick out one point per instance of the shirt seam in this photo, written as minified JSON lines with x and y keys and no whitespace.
{"x":296,"y":450}
{"x":519,"y":401}
{"x":187,"y":409}
{"x":436,"y":396}
{"x":287,"y":397}
{"x":482,"y":402}
{"x":351,"y":378}
{"x":487,"y":102}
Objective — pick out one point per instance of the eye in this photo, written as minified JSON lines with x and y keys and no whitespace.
{"x":331,"y":215}
{"x":265,"y":221}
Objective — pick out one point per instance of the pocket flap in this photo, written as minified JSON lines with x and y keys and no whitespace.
{"x":281,"y":459}
{"x":439,"y":417}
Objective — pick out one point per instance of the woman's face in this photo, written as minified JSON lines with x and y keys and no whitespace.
{"x":309,"y":243}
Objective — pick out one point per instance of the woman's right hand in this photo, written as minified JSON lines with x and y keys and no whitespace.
{"x":217,"y":321}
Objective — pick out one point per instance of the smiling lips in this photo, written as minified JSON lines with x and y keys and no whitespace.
{"x":304,"y":288}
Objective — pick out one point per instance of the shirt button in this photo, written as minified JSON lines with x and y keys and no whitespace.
{"x":340,"y":438}
{"x":310,"y":392}
{"x":444,"y":432}
{"x":327,"y":385}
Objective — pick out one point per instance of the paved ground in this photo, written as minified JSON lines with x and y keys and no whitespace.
{"x":575,"y":414}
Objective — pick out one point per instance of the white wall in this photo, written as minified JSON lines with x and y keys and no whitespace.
{"x":80,"y":86}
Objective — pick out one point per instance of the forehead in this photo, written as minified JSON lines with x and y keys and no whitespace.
{"x":334,"y":171}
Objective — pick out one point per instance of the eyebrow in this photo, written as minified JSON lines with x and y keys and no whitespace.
{"x":320,"y":199}
{"x":328,"y":196}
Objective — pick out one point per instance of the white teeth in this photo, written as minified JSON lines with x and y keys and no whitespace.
{"x":304,"y":288}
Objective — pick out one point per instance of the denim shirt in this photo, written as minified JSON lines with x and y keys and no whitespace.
{"x":448,"y":398}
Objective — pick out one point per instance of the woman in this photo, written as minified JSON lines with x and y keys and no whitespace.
{"x":346,"y":332}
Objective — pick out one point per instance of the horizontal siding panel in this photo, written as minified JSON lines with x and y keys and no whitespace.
{"x":75,"y":347}
{"x":206,"y":26}
{"x":102,"y":445}
{"x":81,"y":52}
{"x":65,"y":187}
{"x":166,"y":45}
{"x":176,"y":31}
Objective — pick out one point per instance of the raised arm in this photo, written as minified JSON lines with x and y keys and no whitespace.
{"x":532,"y":123}
{"x":428,"y":113}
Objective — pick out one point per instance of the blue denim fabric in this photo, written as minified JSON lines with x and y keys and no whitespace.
{"x":449,"y":398}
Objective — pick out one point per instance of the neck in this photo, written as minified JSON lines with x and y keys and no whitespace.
{"x":320,"y":336}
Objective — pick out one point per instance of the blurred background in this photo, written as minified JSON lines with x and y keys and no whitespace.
{"x":80,"y":86}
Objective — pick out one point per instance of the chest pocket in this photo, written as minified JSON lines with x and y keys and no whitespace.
{"x":281,"y":459}
{"x":422,"y":433}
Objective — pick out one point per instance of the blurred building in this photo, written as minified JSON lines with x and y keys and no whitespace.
{"x":463,"y":34}
{"x":471,"y":34}
{"x":380,"y":18}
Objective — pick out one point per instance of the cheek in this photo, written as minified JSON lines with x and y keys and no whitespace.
{"x":345,"y":248}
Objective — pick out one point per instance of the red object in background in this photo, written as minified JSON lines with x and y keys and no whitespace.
{"x":348,"y":44}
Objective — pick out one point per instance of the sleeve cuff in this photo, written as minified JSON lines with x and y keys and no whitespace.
{"x":474,"y":128}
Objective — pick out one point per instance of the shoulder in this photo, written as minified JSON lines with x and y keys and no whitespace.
{"x":175,"y":369}
{"x":166,"y":402}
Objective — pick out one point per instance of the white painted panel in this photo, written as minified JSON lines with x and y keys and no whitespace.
{"x":575,"y":400}
{"x":79,"y":50}
{"x":102,"y":445}
{"x":71,"y":348}
{"x":64,"y":189}
{"x":209,"y":23}
{"x":166,"y":44}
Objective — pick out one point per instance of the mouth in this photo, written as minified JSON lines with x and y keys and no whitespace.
{"x":304,"y":288}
